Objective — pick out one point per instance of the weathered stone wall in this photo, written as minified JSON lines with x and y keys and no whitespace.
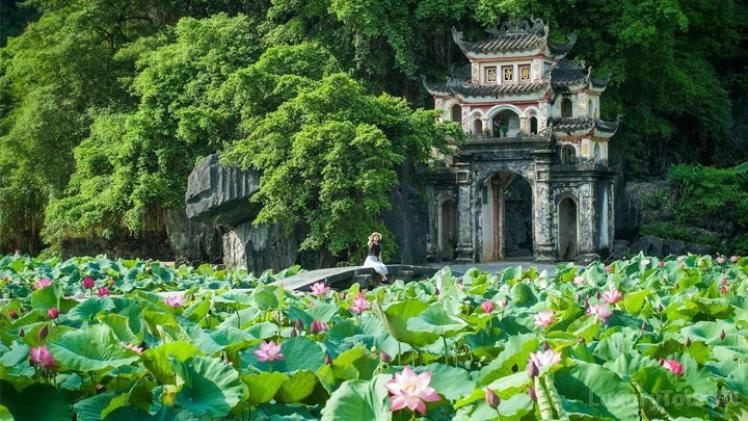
{"x":143,"y":245}
{"x":408,"y":219}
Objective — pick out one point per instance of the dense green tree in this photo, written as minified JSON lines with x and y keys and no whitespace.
{"x":329,"y":159}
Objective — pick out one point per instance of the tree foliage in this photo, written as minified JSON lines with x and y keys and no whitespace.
{"x":329,"y":159}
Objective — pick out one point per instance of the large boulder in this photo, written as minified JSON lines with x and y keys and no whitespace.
{"x":191,"y":241}
{"x":260,"y":247}
{"x":219,"y":195}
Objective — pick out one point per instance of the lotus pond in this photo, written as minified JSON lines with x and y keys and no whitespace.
{"x":637,"y":339}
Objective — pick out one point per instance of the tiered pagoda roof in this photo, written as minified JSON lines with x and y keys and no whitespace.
{"x":583,"y":126}
{"x":515,"y":37}
{"x":569,"y":74}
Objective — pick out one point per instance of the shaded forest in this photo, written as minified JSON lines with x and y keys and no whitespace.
{"x":105,"y":106}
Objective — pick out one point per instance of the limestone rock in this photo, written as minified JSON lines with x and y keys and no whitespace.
{"x":630,"y":211}
{"x":192,"y":242}
{"x":259,"y":248}
{"x":219,"y":195}
{"x":408,"y":218}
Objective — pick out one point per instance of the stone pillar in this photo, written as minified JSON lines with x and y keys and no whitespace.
{"x":523,"y":127}
{"x":588,"y":229}
{"x":465,"y":214}
{"x":432,"y":234}
{"x":542,"y":208}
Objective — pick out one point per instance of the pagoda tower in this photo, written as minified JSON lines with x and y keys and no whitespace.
{"x":533,"y":178}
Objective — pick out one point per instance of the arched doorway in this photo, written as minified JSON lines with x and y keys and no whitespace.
{"x":457,"y":113}
{"x":477,"y":127}
{"x":533,"y":125}
{"x":568,"y":155}
{"x":506,"y":217}
{"x":568,"y":242}
{"x":597,"y":153}
{"x":505,"y":124}
{"x":447,"y":230}
{"x":566,"y":108}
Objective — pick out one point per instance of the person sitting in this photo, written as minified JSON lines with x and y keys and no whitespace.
{"x":374,"y":259}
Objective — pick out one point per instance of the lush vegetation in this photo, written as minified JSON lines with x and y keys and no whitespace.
{"x":105,"y":106}
{"x":20,"y":276}
{"x":638,"y":339}
{"x":705,"y":205}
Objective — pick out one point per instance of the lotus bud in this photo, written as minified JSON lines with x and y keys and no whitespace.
{"x":598,"y":295}
{"x":677,"y":285}
{"x":5,"y":278}
{"x":644,"y":326}
{"x":294,"y":333}
{"x":12,"y":314}
{"x":299,"y":324}
{"x":385,"y":357}
{"x":661,"y":361}
{"x":487,"y":306}
{"x":531,"y":393}
{"x":436,"y":291}
{"x":192,"y":297}
{"x":328,"y":359}
{"x":515,"y":368}
{"x":111,"y":282}
{"x":581,"y":340}
{"x":21,"y":333}
{"x":492,"y":399}
{"x":722,"y":335}
{"x":42,"y":333}
{"x":504,"y":301}
{"x":88,"y":283}
{"x":342,"y":296}
{"x":579,"y":297}
{"x":532,"y":370}
{"x":318,"y":327}
{"x":546,"y":347}
{"x":688,"y":342}
{"x":660,"y":308}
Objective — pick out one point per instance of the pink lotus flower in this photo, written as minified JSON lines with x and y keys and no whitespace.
{"x":12,"y":314}
{"x":53,"y":313}
{"x":720,"y":260}
{"x":111,"y":282}
{"x":269,"y":351}
{"x":608,"y":269}
{"x":612,"y":296}
{"x":103,"y":291}
{"x":723,"y":290}
{"x":360,"y":304}
{"x":734,"y":259}
{"x":88,"y":283}
{"x":133,"y":347}
{"x":18,"y":252}
{"x":674,"y":366}
{"x":646,"y":262}
{"x":578,"y":281}
{"x":40,"y":356}
{"x":601,"y":311}
{"x":662,"y":263}
{"x":42,"y":283}
{"x":411,"y":390}
{"x":544,"y":319}
{"x":174,"y":301}
{"x":487,"y":306}
{"x":318,"y":327}
{"x":319,"y":289}
{"x":545,"y":358}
